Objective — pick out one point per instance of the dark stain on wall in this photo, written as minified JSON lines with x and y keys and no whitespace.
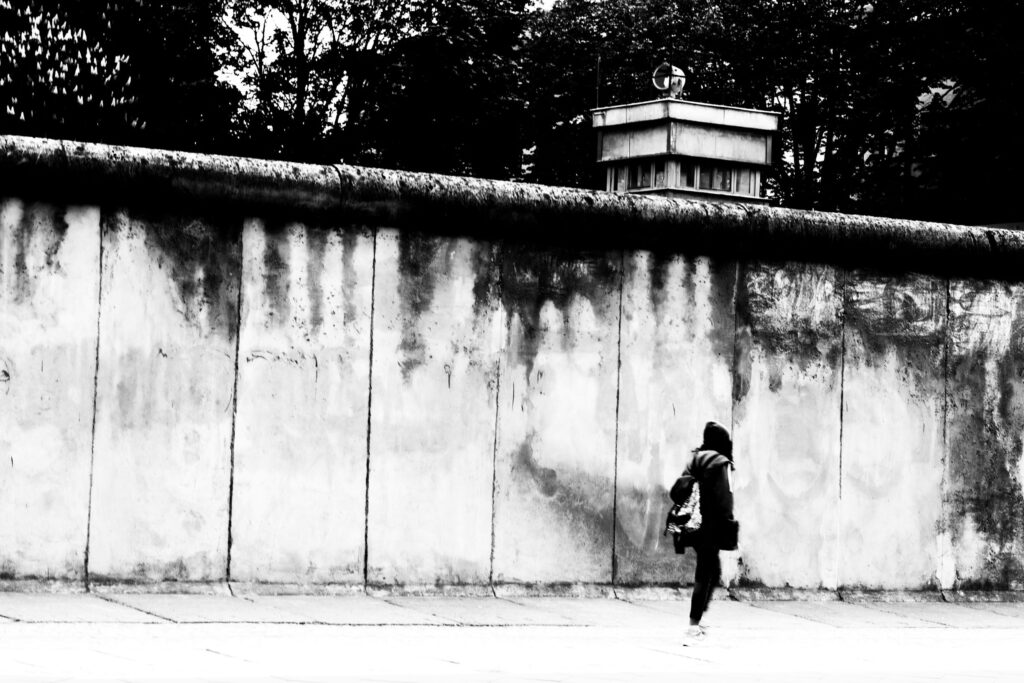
{"x":487,"y":278}
{"x":985,"y":438}
{"x":276,"y":284}
{"x":203,"y":257}
{"x":720,"y":302}
{"x":316,"y":245}
{"x":573,"y":495}
{"x":658,"y":266}
{"x":350,"y":278}
{"x":905,"y":313}
{"x":530,"y":277}
{"x":419,"y":262}
{"x":41,"y":226}
{"x":769,"y":299}
{"x":544,"y":479}
{"x":723,"y":307}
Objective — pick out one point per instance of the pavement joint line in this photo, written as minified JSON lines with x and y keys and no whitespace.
{"x":880,"y":606}
{"x":789,"y":614}
{"x":133,"y":607}
{"x":454,"y":622}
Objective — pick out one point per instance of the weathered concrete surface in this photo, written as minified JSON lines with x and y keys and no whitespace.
{"x":489,"y":208}
{"x":437,"y":338}
{"x":146,"y":176}
{"x":787,"y":388}
{"x":984,"y":485}
{"x":554,"y":492}
{"x":892,"y":450}
{"x":498,"y":405}
{"x":608,"y":220}
{"x":677,"y":353}
{"x":298,"y":512}
{"x":168,"y":322}
{"x":49,"y":282}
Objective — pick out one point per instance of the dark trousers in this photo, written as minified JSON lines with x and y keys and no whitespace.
{"x":709,"y":571}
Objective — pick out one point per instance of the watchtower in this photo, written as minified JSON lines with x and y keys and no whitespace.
{"x":673,"y":147}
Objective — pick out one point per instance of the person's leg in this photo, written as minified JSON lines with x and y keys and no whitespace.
{"x":702,"y":585}
{"x":714,"y":573}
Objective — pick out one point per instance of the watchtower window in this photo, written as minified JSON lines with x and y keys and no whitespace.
{"x":743,"y":177}
{"x":659,"y":173}
{"x":687,"y":172}
{"x":715,"y":178}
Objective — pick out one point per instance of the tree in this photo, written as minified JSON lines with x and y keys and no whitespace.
{"x":59,"y":77}
{"x":299,"y":61}
{"x":846,"y":76}
{"x":176,"y":51}
{"x":121,"y":71}
{"x":447,"y":98}
{"x":972,"y":125}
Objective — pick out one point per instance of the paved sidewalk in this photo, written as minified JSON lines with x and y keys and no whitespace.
{"x":360,"y":638}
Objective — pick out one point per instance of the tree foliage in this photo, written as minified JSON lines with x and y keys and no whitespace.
{"x":120,"y":71}
{"x":299,"y":60}
{"x":448,"y":97}
{"x":58,"y":74}
{"x":893,"y":107}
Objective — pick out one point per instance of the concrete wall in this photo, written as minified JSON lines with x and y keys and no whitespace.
{"x":168,"y":327}
{"x":49,"y":299}
{"x":201,"y":392}
{"x":432,"y":426}
{"x":555,"y":455}
{"x":299,"y":486}
{"x":786,"y":417}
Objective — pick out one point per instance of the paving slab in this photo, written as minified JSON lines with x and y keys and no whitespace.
{"x":734,"y":614}
{"x":845,"y":615}
{"x":347,"y":609}
{"x":607,"y":612}
{"x":960,"y":615}
{"x":39,"y":607}
{"x":203,"y":608}
{"x":313,"y":652}
{"x":481,"y":611}
{"x":1008,"y":609}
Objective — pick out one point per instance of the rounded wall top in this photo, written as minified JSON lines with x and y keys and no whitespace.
{"x":56,"y":170}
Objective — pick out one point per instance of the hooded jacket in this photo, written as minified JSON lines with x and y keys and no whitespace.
{"x":710,"y":466}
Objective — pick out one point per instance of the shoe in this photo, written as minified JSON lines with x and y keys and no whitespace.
{"x":694,"y":635}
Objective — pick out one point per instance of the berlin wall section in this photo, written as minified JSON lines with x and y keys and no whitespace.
{"x":892,"y":449}
{"x":299,"y":485}
{"x":555,"y":459}
{"x":787,"y":392}
{"x":677,"y":354}
{"x":983,"y":492}
{"x":410,"y":408}
{"x":435,"y":352}
{"x":49,"y":283}
{"x":168,"y":326}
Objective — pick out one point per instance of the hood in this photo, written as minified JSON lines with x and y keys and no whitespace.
{"x":716,"y":438}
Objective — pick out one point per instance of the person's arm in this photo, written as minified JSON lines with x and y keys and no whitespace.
{"x":720,"y":490}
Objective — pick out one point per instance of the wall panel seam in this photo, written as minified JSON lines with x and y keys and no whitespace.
{"x":95,"y":403}
{"x":369,"y":418}
{"x":234,"y":400}
{"x":618,"y":389}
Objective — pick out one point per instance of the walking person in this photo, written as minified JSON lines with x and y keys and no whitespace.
{"x":710,"y":466}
